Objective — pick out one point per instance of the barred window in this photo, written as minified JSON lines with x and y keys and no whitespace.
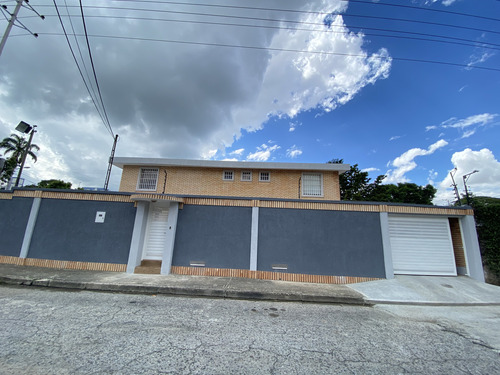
{"x":312,"y":184}
{"x":264,"y":176}
{"x":246,"y":176}
{"x":228,"y":175}
{"x":148,"y":178}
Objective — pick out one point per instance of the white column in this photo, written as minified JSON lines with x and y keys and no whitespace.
{"x":168,"y":251}
{"x":386,"y":244}
{"x":30,"y":227}
{"x":254,"y":239}
{"x":471,"y":245}
{"x":138,"y":233}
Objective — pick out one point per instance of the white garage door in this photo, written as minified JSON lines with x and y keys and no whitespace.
{"x":421,"y":245}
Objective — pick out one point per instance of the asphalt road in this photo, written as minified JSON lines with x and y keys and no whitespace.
{"x":46,"y":331}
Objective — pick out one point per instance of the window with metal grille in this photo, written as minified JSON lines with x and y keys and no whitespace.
{"x":246,"y":176}
{"x":312,"y":184}
{"x":264,"y":176}
{"x":148,"y":178}
{"x":228,"y":175}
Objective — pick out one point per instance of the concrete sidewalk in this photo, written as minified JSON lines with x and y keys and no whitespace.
{"x":408,"y":290}
{"x":199,"y":286}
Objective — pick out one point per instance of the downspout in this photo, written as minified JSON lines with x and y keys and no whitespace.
{"x":300,"y":182}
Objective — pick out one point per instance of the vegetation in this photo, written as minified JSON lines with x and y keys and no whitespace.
{"x":355,"y":185}
{"x":51,"y":184}
{"x":487,"y":216}
{"x":15,"y":146}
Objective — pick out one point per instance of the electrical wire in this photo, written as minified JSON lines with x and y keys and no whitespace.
{"x":284,"y":50}
{"x":378,"y":3}
{"x":460,"y":41}
{"x":288,"y":21}
{"x":79,"y":50}
{"x":93,"y":70}
{"x":78,"y":65}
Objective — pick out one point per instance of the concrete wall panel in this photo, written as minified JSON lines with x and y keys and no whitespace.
{"x":317,"y":242}
{"x":66,"y":230}
{"x":14,"y":214}
{"x":219,"y":236}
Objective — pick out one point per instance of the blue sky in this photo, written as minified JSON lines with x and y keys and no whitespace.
{"x":178,"y":81}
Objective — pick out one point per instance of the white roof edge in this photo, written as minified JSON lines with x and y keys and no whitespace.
{"x":120,"y":162}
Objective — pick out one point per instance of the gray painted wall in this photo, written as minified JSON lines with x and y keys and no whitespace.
{"x":66,"y":230}
{"x":220,"y":236}
{"x":321,"y":242}
{"x":14,"y":214}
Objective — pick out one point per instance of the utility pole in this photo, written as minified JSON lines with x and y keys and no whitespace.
{"x":454,"y":185}
{"x":110,"y":164}
{"x":25,"y":153}
{"x":13,"y":19}
{"x":465,"y":178}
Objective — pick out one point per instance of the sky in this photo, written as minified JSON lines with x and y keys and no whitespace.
{"x":403,"y":88}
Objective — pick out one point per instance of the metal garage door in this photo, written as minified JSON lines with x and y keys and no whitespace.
{"x":421,"y":245}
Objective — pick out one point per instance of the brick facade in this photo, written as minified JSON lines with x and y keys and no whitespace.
{"x":284,"y":184}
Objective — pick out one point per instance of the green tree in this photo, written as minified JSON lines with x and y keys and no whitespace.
{"x":355,"y":185}
{"x":487,"y":216}
{"x":15,"y":146}
{"x":52,"y":184}
{"x":403,"y":193}
{"x":8,"y":169}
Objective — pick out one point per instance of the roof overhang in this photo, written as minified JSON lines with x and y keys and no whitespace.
{"x":120,"y":162}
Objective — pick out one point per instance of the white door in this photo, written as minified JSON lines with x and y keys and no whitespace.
{"x":156,"y":231}
{"x":421,"y":245}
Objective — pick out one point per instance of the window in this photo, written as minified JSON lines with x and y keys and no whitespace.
{"x":148,"y":178}
{"x":228,"y":175}
{"x":264,"y":176}
{"x":246,"y":176}
{"x":312,"y":184}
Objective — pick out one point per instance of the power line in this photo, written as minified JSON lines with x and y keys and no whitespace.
{"x":415,"y":7}
{"x":309,"y":12}
{"x":285,"y":50}
{"x":79,"y":50}
{"x":288,"y":21}
{"x":469,"y":42}
{"x":93,"y":70}
{"x":78,"y":65}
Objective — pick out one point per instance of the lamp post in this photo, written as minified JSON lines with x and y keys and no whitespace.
{"x":26,"y":128}
{"x":465,"y":178}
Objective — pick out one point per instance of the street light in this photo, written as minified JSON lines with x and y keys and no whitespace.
{"x":26,"y":128}
{"x":465,"y":177}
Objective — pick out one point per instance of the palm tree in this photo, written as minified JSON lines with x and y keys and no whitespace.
{"x":16,"y":146}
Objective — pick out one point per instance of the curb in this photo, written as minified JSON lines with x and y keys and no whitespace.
{"x":224,"y":292}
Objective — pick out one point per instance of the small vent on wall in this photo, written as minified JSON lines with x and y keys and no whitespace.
{"x":194,"y":263}
{"x":279,"y":267}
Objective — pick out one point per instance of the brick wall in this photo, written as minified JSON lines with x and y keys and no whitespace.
{"x":208,"y":181}
{"x":456,"y":237}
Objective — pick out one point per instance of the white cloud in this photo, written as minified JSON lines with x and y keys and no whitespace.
{"x":468,"y":126}
{"x":174,"y":99}
{"x":293,"y":125}
{"x":478,"y":58}
{"x":483,"y":183}
{"x":371,"y":169}
{"x":237,"y":152}
{"x":293,"y":152}
{"x":263,"y":153}
{"x":393,"y":138}
{"x":476,"y":120}
{"x":444,"y":2}
{"x":405,"y":162}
